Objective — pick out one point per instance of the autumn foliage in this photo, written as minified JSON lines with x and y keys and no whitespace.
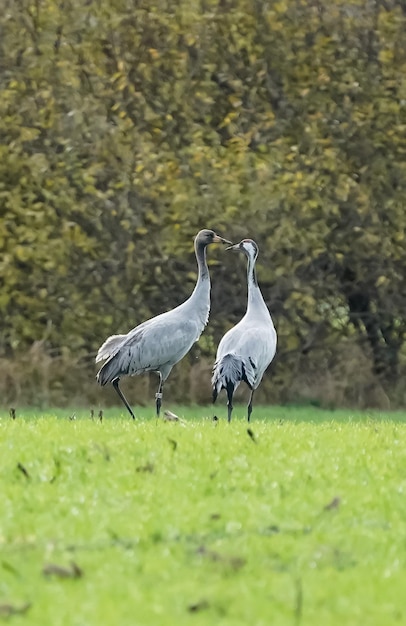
{"x":128,"y":125}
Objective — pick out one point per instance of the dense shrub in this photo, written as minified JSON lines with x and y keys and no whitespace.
{"x":127,"y":126}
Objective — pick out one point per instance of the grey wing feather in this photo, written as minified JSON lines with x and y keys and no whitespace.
{"x":109,"y":347}
{"x":232,"y":368}
{"x":243,"y":355}
{"x":153,"y":346}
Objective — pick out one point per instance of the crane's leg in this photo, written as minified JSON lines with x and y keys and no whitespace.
{"x":122,"y":396}
{"x":230,"y":393}
{"x":249,"y":408}
{"x":214,"y":398}
{"x":159,"y":394}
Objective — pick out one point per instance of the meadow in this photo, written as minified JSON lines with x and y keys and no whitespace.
{"x":299,"y":519}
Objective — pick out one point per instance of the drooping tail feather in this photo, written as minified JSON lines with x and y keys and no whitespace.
{"x":110,"y":351}
{"x":109,"y":347}
{"x":229,"y":371}
{"x":109,"y":371}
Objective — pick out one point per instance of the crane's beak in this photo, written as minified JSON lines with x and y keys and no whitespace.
{"x":236,"y":246}
{"x":217,"y":239}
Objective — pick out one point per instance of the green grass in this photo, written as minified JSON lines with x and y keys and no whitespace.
{"x":196,"y":523}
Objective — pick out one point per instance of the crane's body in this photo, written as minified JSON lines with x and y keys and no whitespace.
{"x":157,"y":344}
{"x":247,"y":349}
{"x":162,"y":341}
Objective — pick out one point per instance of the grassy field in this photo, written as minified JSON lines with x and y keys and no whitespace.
{"x":162,"y":524}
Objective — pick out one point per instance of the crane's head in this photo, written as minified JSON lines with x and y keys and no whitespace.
{"x":206,"y":237}
{"x":248,"y":246}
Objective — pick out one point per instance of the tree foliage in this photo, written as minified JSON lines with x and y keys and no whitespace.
{"x":126,"y":126}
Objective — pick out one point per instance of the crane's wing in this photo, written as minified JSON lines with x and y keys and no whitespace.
{"x":109,"y":347}
{"x":253,"y":343}
{"x":154,"y":345}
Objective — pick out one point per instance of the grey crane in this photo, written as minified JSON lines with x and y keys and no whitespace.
{"x":159,"y":343}
{"x":247,"y":349}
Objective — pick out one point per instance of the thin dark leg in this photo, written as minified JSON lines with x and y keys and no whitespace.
{"x":122,"y":396}
{"x":230,"y":393}
{"x":213,"y":399}
{"x":250,"y":405}
{"x":158,"y":395}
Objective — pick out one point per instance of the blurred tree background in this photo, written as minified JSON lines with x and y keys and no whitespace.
{"x":128,"y":125}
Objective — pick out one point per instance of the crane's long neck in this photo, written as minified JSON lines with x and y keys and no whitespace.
{"x":251,"y":273}
{"x":200,"y":250}
{"x":255,"y":298}
{"x":199,"y":302}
